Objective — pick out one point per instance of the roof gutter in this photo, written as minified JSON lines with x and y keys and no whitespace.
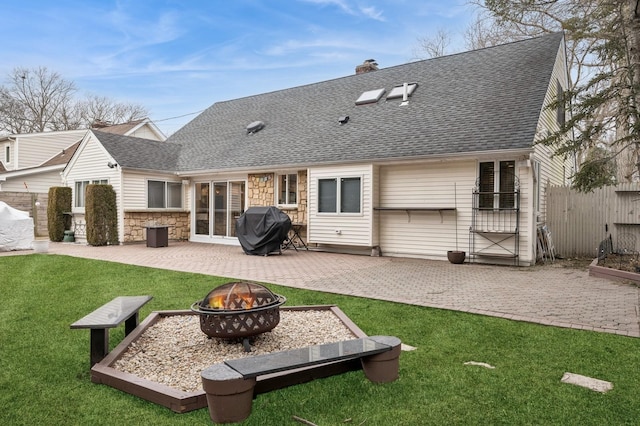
{"x":137,"y":169}
{"x":493,"y":154}
{"x":31,"y":171}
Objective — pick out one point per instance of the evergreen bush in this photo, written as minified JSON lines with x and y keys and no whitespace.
{"x":101,"y":215}
{"x":59,"y":203}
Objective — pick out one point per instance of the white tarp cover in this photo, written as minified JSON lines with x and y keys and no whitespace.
{"x":16,"y":228}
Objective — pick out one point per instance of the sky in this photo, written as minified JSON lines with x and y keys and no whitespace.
{"x":178,"y":57}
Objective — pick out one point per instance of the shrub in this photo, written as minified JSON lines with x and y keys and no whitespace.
{"x":101,"y":215}
{"x":59,"y":203}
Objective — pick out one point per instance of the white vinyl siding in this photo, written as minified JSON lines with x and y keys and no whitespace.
{"x":135,"y":190}
{"x":90,"y":163}
{"x":431,"y":233}
{"x":34,"y":149}
{"x":524,"y":171}
{"x":351,"y":229}
{"x":428,"y":234}
{"x":35,"y":182}
{"x":145,"y":132}
{"x":554,"y":170}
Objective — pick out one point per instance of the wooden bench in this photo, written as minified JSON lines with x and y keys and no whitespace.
{"x":229,"y":385}
{"x":110,"y":315}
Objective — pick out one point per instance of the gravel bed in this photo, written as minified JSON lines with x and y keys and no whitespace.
{"x":173,"y":351}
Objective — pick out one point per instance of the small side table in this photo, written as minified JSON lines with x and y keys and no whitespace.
{"x":157,"y":236}
{"x":294,"y":237}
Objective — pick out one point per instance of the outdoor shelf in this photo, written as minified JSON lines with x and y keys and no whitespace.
{"x":489,"y":254}
{"x":408,"y":210}
{"x":477,"y":231}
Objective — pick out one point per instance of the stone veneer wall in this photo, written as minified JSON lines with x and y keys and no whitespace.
{"x":261,"y":188}
{"x":134,"y":223}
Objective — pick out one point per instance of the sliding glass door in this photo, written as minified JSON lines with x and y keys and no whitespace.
{"x":236,"y":204}
{"x":218,"y":205}
{"x":202,"y":209}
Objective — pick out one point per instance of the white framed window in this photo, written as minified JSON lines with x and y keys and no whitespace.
{"x":340,"y":195}
{"x":164,"y":195}
{"x":497,"y":184}
{"x":81,"y":188}
{"x":7,"y":154}
{"x":287,"y":189}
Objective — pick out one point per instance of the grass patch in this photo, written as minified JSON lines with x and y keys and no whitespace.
{"x":44,"y":375}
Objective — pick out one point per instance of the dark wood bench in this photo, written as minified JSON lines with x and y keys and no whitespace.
{"x":110,"y":315}
{"x":229,"y":385}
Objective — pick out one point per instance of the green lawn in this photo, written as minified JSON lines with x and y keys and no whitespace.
{"x":44,"y":375}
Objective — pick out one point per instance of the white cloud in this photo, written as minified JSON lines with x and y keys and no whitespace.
{"x":136,"y":32}
{"x":373,"y":13}
{"x":339,"y":3}
{"x":370,"y":12}
{"x":290,"y":46}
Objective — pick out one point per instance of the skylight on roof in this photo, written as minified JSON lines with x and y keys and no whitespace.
{"x":398,"y":91}
{"x":370,"y":96}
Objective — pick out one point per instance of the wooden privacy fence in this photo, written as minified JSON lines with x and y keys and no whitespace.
{"x":580,"y":221}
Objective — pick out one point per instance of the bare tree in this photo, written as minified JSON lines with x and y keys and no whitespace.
{"x":37,"y":100}
{"x":102,"y":109}
{"x":32,"y":98}
{"x":433,"y":46}
{"x":11,"y":113}
{"x":486,"y":31}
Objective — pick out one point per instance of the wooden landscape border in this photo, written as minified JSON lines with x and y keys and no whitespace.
{"x":182,"y":402}
{"x":612,"y":273}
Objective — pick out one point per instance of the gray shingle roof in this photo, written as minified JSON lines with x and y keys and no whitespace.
{"x":139,"y":153}
{"x":488,"y":99}
{"x":121,"y":128}
{"x":63,"y":156}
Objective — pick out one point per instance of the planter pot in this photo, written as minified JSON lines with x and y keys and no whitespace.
{"x":456,"y":256}
{"x":40,"y":246}
{"x":229,"y":395}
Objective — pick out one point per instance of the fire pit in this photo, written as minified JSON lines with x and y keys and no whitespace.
{"x":239,"y":310}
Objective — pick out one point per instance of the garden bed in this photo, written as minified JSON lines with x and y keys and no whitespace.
{"x":617,"y":268}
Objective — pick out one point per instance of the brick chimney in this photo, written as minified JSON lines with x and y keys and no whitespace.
{"x":367,"y":66}
{"x":99,"y":124}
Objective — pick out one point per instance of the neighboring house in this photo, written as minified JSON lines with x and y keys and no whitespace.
{"x":143,"y":175}
{"x":413,"y":160}
{"x":143,"y":128}
{"x":29,"y":159}
{"x":32,"y":163}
